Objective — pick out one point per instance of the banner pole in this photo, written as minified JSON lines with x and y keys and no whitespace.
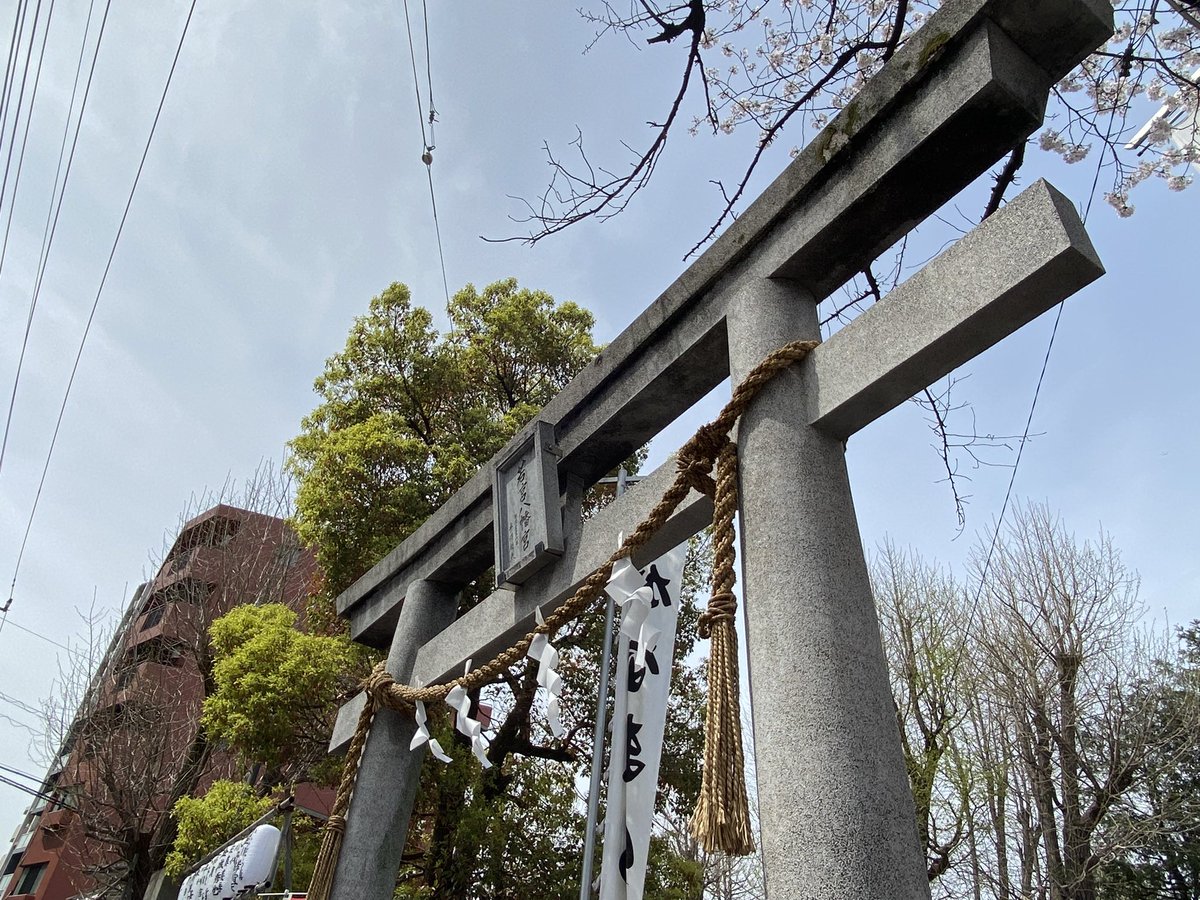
{"x":593,"y":809}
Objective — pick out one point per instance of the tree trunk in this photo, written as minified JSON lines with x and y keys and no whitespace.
{"x":1039,"y":756}
{"x":194,"y":763}
{"x":1078,"y":882}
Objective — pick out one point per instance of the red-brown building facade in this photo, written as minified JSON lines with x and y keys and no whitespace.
{"x":135,"y":745}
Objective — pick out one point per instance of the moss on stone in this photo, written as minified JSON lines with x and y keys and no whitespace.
{"x":935,"y":43}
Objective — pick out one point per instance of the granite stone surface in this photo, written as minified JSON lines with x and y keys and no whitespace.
{"x":835,"y":807}
{"x":388,"y":775}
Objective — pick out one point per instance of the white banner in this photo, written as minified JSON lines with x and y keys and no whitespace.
{"x":237,"y":870}
{"x":649,"y":602}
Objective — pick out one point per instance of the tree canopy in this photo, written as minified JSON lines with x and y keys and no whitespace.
{"x":206,"y":822}
{"x":408,"y":414}
{"x":276,"y":686}
{"x":1052,"y":745}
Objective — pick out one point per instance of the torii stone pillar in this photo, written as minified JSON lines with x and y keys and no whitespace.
{"x":388,"y":776}
{"x":836,"y":810}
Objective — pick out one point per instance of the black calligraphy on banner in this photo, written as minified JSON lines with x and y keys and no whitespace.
{"x":644,"y":671}
{"x":655,"y":580}
{"x":633,"y":750}
{"x":628,"y":858}
{"x":219,"y":875}
{"x":241,"y":852}
{"x":638,"y":675}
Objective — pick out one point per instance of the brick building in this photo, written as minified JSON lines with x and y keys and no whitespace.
{"x":135,"y":744}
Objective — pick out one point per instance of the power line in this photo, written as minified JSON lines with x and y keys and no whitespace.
{"x":25,"y":138}
{"x":429,"y":72}
{"x":427,"y":142}
{"x":10,"y":67}
{"x":1016,"y":463}
{"x":52,"y":227}
{"x":54,"y":801}
{"x":12,"y":45}
{"x":16,"y":119}
{"x":21,"y":774}
{"x":412,"y":55}
{"x":1041,"y":377}
{"x":12,"y":206}
{"x":100,"y":290}
{"x":48,"y":640}
{"x":437,"y":230}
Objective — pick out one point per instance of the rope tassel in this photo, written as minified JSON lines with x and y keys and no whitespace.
{"x":721,"y":821}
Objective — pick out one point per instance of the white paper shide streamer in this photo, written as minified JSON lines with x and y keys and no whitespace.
{"x":649,"y":603}
{"x":424,"y":737}
{"x":460,"y":702}
{"x":543,"y":651}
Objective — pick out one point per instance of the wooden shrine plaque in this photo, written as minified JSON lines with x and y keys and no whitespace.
{"x":527,"y":519}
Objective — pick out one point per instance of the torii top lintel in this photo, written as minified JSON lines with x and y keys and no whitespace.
{"x":961,"y":92}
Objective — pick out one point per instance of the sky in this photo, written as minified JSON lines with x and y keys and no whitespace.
{"x":284,"y":189}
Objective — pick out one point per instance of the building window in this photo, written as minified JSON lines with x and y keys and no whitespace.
{"x":167,"y":651}
{"x":179,"y":561}
{"x":10,"y":869}
{"x":153,"y":617}
{"x":31,"y":877}
{"x":124,"y":676}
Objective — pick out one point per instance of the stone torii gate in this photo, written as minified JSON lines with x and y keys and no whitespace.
{"x":834,"y":803}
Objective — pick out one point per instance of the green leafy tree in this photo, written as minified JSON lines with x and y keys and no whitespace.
{"x":204,"y":823}
{"x":276,"y":688}
{"x":273,"y":700}
{"x":407,"y":414}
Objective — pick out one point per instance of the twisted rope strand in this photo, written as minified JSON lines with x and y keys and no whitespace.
{"x":335,"y":826}
{"x":721,"y":821}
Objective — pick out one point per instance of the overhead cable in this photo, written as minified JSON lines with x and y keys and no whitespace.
{"x":51,"y":228}
{"x":429,"y":73}
{"x":427,"y":143}
{"x":53,"y":801}
{"x":99,"y":290}
{"x":16,"y":119}
{"x":10,"y":67}
{"x":1133,"y":43}
{"x":48,"y":640}
{"x":37,"y":78}
{"x":10,"y":770}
